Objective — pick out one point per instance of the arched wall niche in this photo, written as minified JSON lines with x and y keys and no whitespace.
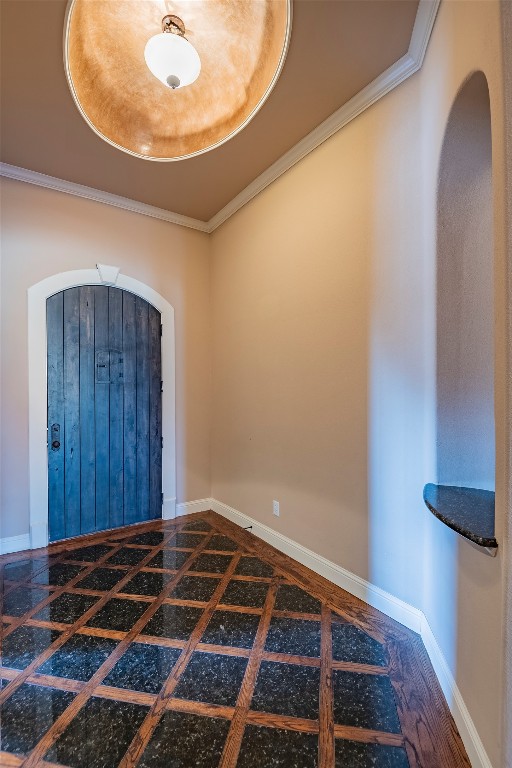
{"x":465,"y":294}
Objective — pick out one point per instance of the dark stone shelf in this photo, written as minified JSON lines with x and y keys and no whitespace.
{"x":468,"y":511}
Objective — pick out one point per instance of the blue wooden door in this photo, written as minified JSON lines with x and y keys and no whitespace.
{"x":104,"y":410}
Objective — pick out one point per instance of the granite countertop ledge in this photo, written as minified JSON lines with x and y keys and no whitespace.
{"x":468,"y":511}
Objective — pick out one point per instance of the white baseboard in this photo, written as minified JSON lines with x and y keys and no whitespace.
{"x":14,"y":543}
{"x":397,"y":609}
{"x":169,"y":509}
{"x":468,"y":733}
{"x":392,"y":606}
{"x":38,"y":535}
{"x":188,"y":507}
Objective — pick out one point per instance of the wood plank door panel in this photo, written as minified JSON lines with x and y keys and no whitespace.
{"x":115,"y":338}
{"x":142,"y":365}
{"x":102,"y":407}
{"x":71,"y":443}
{"x":130,"y":408}
{"x":55,"y":374}
{"x":104,"y":410}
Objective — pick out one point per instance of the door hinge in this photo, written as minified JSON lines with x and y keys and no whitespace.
{"x":161,"y":386}
{"x":162,"y":441}
{"x":161,"y":329}
{"x":162,"y":498}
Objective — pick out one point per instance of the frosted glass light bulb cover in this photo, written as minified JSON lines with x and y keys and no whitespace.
{"x":172,"y":59}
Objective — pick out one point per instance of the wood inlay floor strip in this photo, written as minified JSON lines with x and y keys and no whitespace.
{"x":326,"y":715}
{"x":428,"y":733}
{"x":80,"y":700}
{"x":153,"y":717}
{"x":234,"y":740}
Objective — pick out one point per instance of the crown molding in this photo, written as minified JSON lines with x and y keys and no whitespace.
{"x":393,"y":76}
{"x":89,"y":193}
{"x":423,"y":25}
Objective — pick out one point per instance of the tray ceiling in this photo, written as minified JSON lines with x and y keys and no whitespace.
{"x":337,"y":48}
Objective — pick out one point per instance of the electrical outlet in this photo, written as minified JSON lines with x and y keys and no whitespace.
{"x":275,"y":508}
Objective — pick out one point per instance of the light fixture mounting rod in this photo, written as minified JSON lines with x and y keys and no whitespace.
{"x":173,"y":24}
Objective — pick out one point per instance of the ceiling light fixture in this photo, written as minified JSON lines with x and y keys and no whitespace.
{"x":170,"y":56}
{"x":132,"y":90}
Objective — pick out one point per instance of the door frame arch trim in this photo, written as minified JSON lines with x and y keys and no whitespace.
{"x":38,"y":388}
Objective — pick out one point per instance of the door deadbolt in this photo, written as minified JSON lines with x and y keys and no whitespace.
{"x":55,"y":437}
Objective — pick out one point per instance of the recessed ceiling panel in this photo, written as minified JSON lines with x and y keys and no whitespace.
{"x":241,"y":45}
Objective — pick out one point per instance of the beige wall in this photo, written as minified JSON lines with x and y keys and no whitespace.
{"x":324,"y":357}
{"x":290,"y":326}
{"x":46,"y":232}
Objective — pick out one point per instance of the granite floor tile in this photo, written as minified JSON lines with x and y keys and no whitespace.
{"x":146,"y":583}
{"x":186,"y":741}
{"x":350,"y":643}
{"x":143,"y":668}
{"x":57,"y":575}
{"x":22,"y":646}
{"x":128,"y":556}
{"x":79,"y":658}
{"x":364,"y":701}
{"x":28,"y":714}
{"x":88,"y":554}
{"x":66,"y":608}
{"x":212,"y":678}
{"x":118,"y":614}
{"x":231,"y":628}
{"x":247,"y":593}
{"x":151,"y":538}
{"x":253,"y":566}
{"x":295,"y":636}
{"x":287,"y":689}
{"x":358,"y":755}
{"x":197,"y":525}
{"x":187,"y":540}
{"x":99,"y":735}
{"x":169,"y":559}
{"x":101,"y":579}
{"x":292,"y":598}
{"x":22,"y":569}
{"x":174,"y":621}
{"x":222,"y":543}
{"x":195,"y":588}
{"x":211,"y":563}
{"x":22,"y":599}
{"x":276,"y":748}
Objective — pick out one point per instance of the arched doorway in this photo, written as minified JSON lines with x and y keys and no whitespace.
{"x":38,"y":389}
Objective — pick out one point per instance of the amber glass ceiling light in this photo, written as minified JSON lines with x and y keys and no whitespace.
{"x":175,"y":93}
{"x":170,"y":56}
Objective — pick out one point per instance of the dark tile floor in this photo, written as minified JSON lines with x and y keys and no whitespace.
{"x":222,"y":633}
